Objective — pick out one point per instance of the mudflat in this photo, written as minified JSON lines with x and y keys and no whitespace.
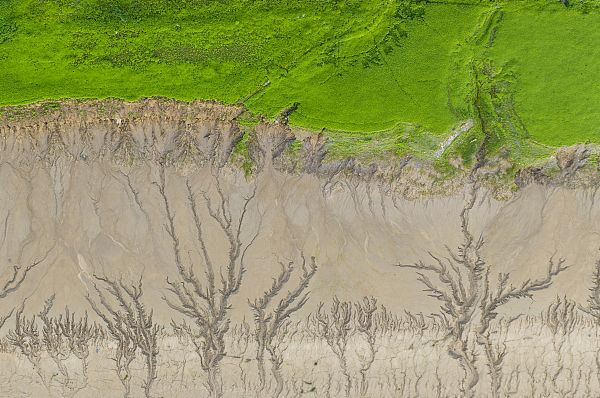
{"x":149,"y":263}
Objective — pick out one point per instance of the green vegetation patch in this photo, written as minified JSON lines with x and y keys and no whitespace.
{"x":401,"y":140}
{"x":554,"y":54}
{"x":406,"y":82}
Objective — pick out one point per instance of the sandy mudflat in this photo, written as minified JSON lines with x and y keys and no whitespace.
{"x":86,"y":200}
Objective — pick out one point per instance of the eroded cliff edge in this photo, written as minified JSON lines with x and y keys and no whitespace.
{"x":187,"y":135}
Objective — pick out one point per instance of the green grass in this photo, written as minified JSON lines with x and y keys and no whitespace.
{"x":409,"y":84}
{"x":554,"y":54}
{"x":383,"y":77}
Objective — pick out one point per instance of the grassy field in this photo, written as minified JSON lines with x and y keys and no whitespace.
{"x":359,"y":68}
{"x":554,"y":54}
{"x":408,"y":84}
